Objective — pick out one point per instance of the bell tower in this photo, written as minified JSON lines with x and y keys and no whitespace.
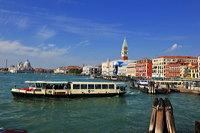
{"x":124,"y":52}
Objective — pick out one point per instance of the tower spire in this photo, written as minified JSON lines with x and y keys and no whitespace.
{"x":124,"y":51}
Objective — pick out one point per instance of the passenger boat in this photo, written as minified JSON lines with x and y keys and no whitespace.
{"x":70,"y":89}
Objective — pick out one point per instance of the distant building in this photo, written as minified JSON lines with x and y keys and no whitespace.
{"x":176,"y":69}
{"x":118,"y":67}
{"x":124,"y":51}
{"x":41,"y":70}
{"x":144,"y":68}
{"x":131,"y":69}
{"x":121,"y":67}
{"x":68,"y":69}
{"x":91,"y":70}
{"x":193,"y":70}
{"x":182,"y":70}
{"x":21,"y":68}
{"x":159,"y":64}
{"x":107,"y":68}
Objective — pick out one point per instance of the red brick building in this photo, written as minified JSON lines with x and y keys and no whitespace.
{"x":173,"y":69}
{"x":144,"y":68}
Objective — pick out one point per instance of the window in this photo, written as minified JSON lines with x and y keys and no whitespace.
{"x":104,"y":86}
{"x":38,"y":85}
{"x":98,"y":86}
{"x":111,"y":86}
{"x":90,"y":86}
{"x":83,"y":86}
{"x":76,"y":86}
{"x":31,"y":85}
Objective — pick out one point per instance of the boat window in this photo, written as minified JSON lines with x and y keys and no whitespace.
{"x":90,"y":86}
{"x":38,"y":85}
{"x":48,"y":86}
{"x":111,"y":86}
{"x":104,"y":86}
{"x":76,"y":86}
{"x":68,"y":86}
{"x":98,"y":86}
{"x":44,"y":85}
{"x":117,"y":87}
{"x":83,"y":86}
{"x":31,"y":85}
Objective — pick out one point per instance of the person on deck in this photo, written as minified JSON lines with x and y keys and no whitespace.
{"x":65,"y":87}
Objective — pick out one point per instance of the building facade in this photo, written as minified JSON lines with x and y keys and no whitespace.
{"x":91,"y":70}
{"x":159,"y":64}
{"x":21,"y":68}
{"x":107,"y":68}
{"x":131,"y":69}
{"x":144,"y":68}
{"x":192,"y":70}
{"x":68,"y":69}
{"x":173,"y":70}
{"x":118,"y":67}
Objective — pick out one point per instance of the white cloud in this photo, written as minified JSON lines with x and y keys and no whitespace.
{"x":51,"y":45}
{"x":16,"y":48}
{"x":174,"y":47}
{"x":83,"y":43}
{"x":46,"y":33}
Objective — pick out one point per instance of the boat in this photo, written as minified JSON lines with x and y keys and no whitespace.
{"x":70,"y":89}
{"x":142,"y":82}
{"x":2,"y":130}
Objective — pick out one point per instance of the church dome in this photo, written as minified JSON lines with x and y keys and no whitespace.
{"x":27,"y":64}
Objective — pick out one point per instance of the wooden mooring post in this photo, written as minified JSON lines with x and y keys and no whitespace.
{"x":197,"y":126}
{"x":151,"y":87}
{"x":169,"y":116}
{"x":153,"y":116}
{"x":162,"y":119}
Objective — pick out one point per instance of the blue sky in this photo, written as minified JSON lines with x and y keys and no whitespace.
{"x":53,"y":33}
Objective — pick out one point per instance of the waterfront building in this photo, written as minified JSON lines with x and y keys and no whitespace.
{"x":118,"y":67}
{"x":176,"y":69}
{"x":124,"y":51}
{"x":21,"y":68}
{"x":68,"y":69}
{"x":159,"y":64}
{"x":60,"y":70}
{"x":91,"y":70}
{"x":126,"y":68}
{"x":144,"y":68}
{"x":192,"y":71}
{"x":182,"y":70}
{"x":107,"y":68}
{"x":41,"y":70}
{"x":131,"y":69}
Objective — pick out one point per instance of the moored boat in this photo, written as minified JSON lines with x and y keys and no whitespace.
{"x":70,"y":89}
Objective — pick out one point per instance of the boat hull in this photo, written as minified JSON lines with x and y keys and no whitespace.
{"x":17,"y":94}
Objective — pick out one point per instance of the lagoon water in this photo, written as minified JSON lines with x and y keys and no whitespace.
{"x":127,"y":114}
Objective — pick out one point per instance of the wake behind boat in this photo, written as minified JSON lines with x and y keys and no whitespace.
{"x":70,"y":89}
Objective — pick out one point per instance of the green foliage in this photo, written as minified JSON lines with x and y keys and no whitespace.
{"x":75,"y":71}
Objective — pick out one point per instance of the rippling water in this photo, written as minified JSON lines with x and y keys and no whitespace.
{"x":129,"y":113}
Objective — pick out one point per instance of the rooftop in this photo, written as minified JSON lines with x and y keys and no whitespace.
{"x":183,"y":57}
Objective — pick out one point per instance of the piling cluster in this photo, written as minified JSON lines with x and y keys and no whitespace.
{"x":162,"y":119}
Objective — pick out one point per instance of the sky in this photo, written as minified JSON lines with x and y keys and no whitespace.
{"x":54,"y":33}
